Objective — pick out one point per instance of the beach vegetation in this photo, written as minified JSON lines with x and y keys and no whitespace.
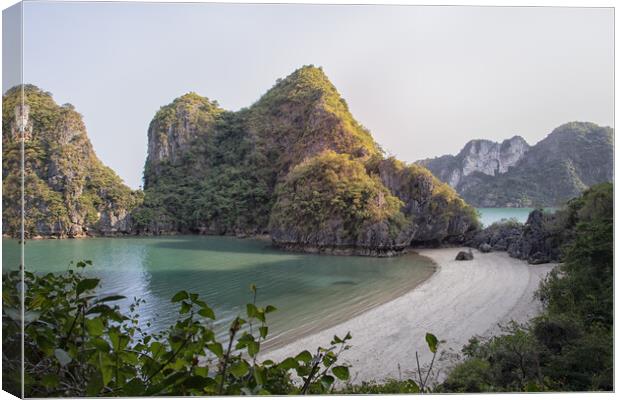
{"x":77,"y":344}
{"x":569,"y":347}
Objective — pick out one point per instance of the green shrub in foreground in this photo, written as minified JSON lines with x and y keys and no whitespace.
{"x":78,"y":344}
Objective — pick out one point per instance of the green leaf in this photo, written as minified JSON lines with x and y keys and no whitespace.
{"x":259,"y":375}
{"x":253,"y":348}
{"x":182,"y":295}
{"x":432,"y":342}
{"x":341,"y":372}
{"x":110,"y":298}
{"x":185,"y":307}
{"x":119,"y":341}
{"x":94,"y":385}
{"x":413,"y":386}
{"x":270,"y":309}
{"x":165,"y":383}
{"x":263,"y":331}
{"x":94,"y":326}
{"x":288,"y":363}
{"x":196,"y":382}
{"x":216,"y":348}
{"x":134,"y":387}
{"x":199,"y":303}
{"x":239,"y":369}
{"x":202,"y":371}
{"x":260,"y":315}
{"x":207,"y":312}
{"x":62,"y":356}
{"x":304,"y":356}
{"x":106,"y":371}
{"x":327,"y":381}
{"x":100,"y":344}
{"x":329,"y":359}
{"x":251,"y":310}
{"x":86,"y":284}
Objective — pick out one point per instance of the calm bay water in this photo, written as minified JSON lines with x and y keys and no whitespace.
{"x":490,"y":215}
{"x":310,"y":291}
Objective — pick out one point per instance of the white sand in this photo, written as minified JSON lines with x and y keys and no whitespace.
{"x":462,"y":299}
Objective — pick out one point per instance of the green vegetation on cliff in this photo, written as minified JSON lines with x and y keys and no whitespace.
{"x":330,"y":200}
{"x":304,"y":114}
{"x":436,"y":211}
{"x":68,"y":191}
{"x":213,"y":171}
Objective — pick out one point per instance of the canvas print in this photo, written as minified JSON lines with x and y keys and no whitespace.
{"x":287,"y":199}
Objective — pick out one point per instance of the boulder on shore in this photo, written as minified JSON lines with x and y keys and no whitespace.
{"x":538,"y":243}
{"x":464,"y":255}
{"x":485,"y":248}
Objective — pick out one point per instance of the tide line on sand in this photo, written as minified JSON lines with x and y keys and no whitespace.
{"x":461,"y":300}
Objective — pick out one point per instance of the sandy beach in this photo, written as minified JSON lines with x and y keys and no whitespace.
{"x":462,"y":299}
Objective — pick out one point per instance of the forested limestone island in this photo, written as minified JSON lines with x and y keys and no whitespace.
{"x":68,"y":192}
{"x":512,"y":173}
{"x":295,"y":165}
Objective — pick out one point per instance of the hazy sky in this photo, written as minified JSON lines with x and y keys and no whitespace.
{"x":424,"y":80}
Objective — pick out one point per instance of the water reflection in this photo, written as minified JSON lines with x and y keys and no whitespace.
{"x":308,"y":290}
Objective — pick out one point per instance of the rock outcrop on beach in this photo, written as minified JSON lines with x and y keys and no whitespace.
{"x":499,"y":236}
{"x":541,"y":238}
{"x":464,"y":255}
{"x":570,"y":159}
{"x":538,"y":241}
{"x":296,"y":165}
{"x":68,"y":192}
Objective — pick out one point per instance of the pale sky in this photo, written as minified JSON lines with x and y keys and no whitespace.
{"x":424,"y":80}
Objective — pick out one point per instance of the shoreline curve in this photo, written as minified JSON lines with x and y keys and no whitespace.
{"x":460,"y":300}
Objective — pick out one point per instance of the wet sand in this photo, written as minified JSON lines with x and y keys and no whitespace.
{"x":462,"y":299}
{"x":348,"y":312}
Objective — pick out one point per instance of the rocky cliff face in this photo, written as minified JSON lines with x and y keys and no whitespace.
{"x":544,"y":235}
{"x":68,"y":191}
{"x":573,"y":157}
{"x":481,"y":156}
{"x":435,"y":212}
{"x":175,"y":128}
{"x":295,"y":164}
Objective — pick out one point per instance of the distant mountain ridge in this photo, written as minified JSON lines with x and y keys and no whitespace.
{"x":512,"y":173}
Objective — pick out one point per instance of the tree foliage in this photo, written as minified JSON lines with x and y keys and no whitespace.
{"x":81,"y":344}
{"x":570,"y":346}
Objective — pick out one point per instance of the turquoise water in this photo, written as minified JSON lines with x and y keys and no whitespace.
{"x":310,"y":291}
{"x":490,"y":215}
